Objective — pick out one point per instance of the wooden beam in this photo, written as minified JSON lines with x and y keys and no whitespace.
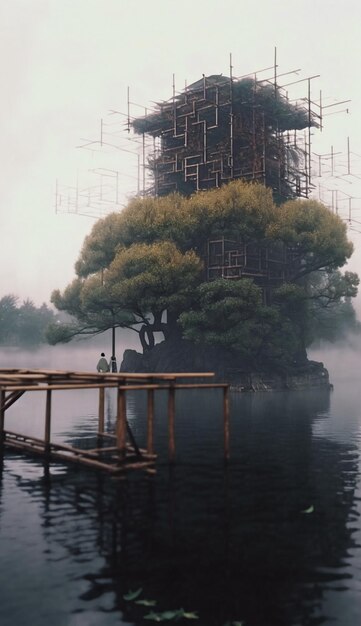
{"x":171,"y":417}
{"x":121,"y":428}
{"x":101,"y":409}
{"x":150,"y":421}
{"x":2,"y":414}
{"x":47,"y":421}
{"x":74,"y":386}
{"x":226,"y":422}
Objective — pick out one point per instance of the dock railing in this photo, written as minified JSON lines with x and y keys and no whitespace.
{"x":124,"y":454}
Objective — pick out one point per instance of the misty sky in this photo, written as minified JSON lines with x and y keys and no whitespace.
{"x":66,"y":63}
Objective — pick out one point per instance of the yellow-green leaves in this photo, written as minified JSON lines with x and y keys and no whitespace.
{"x":317,"y":236}
{"x":152,"y":278}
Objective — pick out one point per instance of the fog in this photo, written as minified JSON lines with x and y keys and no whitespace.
{"x":342,"y":359}
{"x":65,"y":65}
{"x":80,"y":354}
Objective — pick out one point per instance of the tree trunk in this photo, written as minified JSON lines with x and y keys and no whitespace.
{"x":146,"y":337}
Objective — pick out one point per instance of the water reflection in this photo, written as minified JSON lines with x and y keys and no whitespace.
{"x":230,"y":542}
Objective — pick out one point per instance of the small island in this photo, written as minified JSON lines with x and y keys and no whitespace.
{"x":227,"y":264}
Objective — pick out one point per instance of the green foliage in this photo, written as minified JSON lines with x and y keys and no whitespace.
{"x":231,"y":315}
{"x":163,"y":616}
{"x":60,"y":333}
{"x":146,"y":602}
{"x":153,"y":278}
{"x":331,"y":314}
{"x":132,"y":595}
{"x":275,"y":106}
{"x":92,"y":310}
{"x":225,"y":314}
{"x":316,"y":236}
{"x":143,"y":269}
{"x":8,"y":319}
{"x":99,"y":247}
{"x":236,"y":210}
{"x":25,"y":324}
{"x":310,"y":509}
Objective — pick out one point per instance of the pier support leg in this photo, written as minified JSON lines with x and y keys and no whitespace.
{"x":2,"y":415}
{"x":47,"y":422}
{"x":226,"y":422}
{"x":101,"y":410}
{"x":121,"y":426}
{"x":171,"y":431}
{"x":150,"y":421}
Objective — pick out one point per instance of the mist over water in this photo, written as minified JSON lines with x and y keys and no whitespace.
{"x":273,"y":539}
{"x":80,"y":354}
{"x":342,"y":359}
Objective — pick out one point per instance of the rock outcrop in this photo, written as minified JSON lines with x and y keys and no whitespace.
{"x":183,"y":356}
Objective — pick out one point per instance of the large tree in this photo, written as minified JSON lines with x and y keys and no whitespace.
{"x":142,"y":268}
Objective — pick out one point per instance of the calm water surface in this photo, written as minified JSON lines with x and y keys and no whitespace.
{"x":273,"y":539}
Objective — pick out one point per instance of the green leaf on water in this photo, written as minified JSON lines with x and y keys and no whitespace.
{"x":132,"y":595}
{"x":176,"y":614}
{"x":155,"y":617}
{"x":146,"y":602}
{"x":309,"y":510}
{"x":166,"y":616}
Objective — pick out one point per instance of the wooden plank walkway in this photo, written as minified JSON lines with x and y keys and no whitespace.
{"x":125,"y":453}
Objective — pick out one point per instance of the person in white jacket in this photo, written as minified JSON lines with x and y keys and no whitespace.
{"x":102,"y":365}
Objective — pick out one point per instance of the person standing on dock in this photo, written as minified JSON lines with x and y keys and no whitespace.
{"x":102,"y":365}
{"x":113,"y":365}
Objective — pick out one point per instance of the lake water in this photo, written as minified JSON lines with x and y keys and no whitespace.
{"x":271,"y":539}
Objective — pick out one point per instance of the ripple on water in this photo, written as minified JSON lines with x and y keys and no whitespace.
{"x":272,"y":539}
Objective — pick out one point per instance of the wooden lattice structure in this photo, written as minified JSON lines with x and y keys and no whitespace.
{"x":268,"y":266}
{"x":123,"y":453}
{"x":221,"y":128}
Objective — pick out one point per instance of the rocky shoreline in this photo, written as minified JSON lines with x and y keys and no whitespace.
{"x":312,"y":376}
{"x":183,"y":356}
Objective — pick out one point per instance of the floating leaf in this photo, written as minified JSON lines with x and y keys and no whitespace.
{"x":132,"y":595}
{"x":155,"y":617}
{"x":191,"y":615}
{"x":146,"y":602}
{"x":168,"y":615}
{"x":309,"y":510}
{"x":176,"y":614}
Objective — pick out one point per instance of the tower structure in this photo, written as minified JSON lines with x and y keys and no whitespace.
{"x":221,"y":129}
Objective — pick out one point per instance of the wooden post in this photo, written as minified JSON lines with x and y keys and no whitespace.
{"x":150,"y":421}
{"x":121,"y":425}
{"x":2,"y":415}
{"x":101,"y":410}
{"x":47,"y":421}
{"x":171,"y":414}
{"x":226,"y":422}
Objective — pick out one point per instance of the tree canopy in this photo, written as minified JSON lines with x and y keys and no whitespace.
{"x":144,"y":268}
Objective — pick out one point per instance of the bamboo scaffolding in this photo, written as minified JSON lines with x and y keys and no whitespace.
{"x":123,"y":455}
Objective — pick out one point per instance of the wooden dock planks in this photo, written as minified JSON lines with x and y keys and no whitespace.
{"x":124,"y":455}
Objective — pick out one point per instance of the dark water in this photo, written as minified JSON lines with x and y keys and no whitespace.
{"x":231,"y":544}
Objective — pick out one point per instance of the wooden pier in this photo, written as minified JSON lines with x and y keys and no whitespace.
{"x":116,"y":452}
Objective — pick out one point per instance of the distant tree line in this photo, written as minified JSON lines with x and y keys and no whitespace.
{"x":23,"y":324}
